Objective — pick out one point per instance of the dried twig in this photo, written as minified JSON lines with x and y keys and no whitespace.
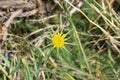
{"x":28,"y":13}
{"x":41,"y":29}
{"x":44,"y":19}
{"x":14,"y":14}
{"x":73,"y":10}
{"x":16,"y":4}
{"x":2,"y":13}
{"x":3,"y":35}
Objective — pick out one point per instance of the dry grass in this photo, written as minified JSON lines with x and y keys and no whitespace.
{"x":93,"y":35}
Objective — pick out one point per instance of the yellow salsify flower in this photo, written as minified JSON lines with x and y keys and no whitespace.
{"x":59,"y":40}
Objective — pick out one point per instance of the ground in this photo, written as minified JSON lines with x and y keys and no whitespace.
{"x":59,"y":40}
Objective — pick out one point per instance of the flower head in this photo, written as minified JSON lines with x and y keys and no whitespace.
{"x":58,"y":40}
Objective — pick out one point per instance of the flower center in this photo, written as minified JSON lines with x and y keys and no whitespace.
{"x":58,"y":40}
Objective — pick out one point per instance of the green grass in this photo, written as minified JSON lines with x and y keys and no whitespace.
{"x":92,"y":53}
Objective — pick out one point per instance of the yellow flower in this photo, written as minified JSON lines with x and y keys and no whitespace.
{"x":58,"y":40}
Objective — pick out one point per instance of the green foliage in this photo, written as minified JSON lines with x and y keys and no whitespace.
{"x":88,"y":55}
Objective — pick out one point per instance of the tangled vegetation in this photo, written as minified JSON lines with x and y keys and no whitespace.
{"x":60,"y":40}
